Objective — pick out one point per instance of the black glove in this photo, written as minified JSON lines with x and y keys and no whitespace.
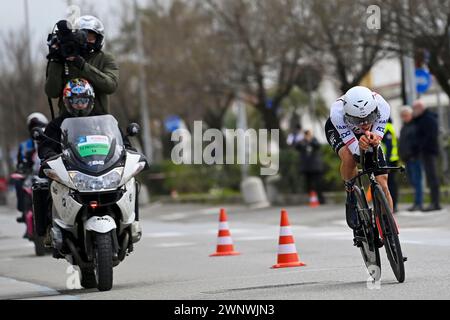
{"x":79,"y":62}
{"x":48,"y":156}
{"x":20,"y":168}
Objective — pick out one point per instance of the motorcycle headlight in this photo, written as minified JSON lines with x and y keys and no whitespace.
{"x":86,"y":183}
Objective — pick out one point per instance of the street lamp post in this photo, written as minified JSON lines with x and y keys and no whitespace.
{"x":408,"y":64}
{"x":144,"y":110}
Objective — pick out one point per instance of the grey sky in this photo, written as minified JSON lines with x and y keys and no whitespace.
{"x":45,"y":13}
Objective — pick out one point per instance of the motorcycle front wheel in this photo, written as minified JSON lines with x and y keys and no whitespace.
{"x":103,"y":261}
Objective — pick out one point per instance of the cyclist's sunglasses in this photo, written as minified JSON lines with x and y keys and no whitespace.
{"x":370,"y":119}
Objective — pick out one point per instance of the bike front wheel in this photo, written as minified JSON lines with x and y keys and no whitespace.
{"x":369,"y":250}
{"x":389,"y":232}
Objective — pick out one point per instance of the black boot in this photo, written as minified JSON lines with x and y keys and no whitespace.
{"x":21,"y":219}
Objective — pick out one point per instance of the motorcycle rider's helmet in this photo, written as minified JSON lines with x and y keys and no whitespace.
{"x":78,"y":97}
{"x":36,"y":119}
{"x":360,"y":106}
{"x":91,"y":23}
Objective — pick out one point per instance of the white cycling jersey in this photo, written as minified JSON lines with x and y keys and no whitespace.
{"x":348,"y":131}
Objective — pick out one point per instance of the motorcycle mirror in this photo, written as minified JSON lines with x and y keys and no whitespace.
{"x":133,"y":129}
{"x":37,"y":133}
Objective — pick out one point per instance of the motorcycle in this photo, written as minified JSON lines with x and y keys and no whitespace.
{"x":94,"y":197}
{"x":27,"y":211}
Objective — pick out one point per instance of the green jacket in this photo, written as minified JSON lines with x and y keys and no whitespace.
{"x":100,"y":70}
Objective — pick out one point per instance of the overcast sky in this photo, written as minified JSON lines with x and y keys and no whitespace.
{"x":45,"y":13}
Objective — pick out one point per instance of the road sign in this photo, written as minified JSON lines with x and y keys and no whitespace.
{"x":423,"y":80}
{"x":172,"y":123}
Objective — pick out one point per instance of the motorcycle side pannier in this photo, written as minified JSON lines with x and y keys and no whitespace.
{"x":41,"y":211}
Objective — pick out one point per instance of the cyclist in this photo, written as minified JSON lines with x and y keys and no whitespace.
{"x":358,"y":121}
{"x":27,"y":159}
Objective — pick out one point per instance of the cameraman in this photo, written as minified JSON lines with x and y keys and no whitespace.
{"x":79,"y":55}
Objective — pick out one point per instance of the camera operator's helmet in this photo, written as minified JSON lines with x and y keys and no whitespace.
{"x":360,"y":106}
{"x":36,"y":119}
{"x":93,"y":24}
{"x":78,"y":97}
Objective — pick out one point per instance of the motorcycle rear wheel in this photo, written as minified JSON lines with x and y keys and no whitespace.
{"x":39,"y":247}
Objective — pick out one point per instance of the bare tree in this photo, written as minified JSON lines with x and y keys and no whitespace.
{"x":344,"y":38}
{"x":426,"y":26}
{"x":266,"y":39}
{"x":187,"y":64}
{"x":21,"y":90}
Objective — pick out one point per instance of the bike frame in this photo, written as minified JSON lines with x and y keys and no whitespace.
{"x":370,"y":173}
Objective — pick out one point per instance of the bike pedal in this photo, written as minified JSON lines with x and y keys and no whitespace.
{"x":357,"y":243}
{"x":379,"y":243}
{"x":405,"y":259}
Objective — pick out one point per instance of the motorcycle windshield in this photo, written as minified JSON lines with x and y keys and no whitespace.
{"x":94,"y":143}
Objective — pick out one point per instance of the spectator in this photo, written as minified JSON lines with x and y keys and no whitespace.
{"x":427,"y":137}
{"x":311,"y":164}
{"x":296,"y":136}
{"x":390,"y":149}
{"x":409,"y":154}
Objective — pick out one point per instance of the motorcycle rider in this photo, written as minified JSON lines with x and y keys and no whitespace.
{"x":78,"y":97}
{"x":92,"y":64}
{"x":27,"y":159}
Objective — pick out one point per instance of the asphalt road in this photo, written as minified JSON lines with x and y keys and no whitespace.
{"x":172,"y":260}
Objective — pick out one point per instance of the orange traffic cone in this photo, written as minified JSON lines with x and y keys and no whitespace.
{"x":224,"y":242}
{"x":313,"y":199}
{"x":287,"y":252}
{"x":369,"y":194}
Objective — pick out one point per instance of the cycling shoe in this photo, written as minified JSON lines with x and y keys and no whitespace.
{"x":351,"y":211}
{"x":358,"y":236}
{"x":379,"y":243}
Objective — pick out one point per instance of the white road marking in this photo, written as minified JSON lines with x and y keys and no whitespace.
{"x":209,"y":211}
{"x":256,"y":238}
{"x":16,"y":246}
{"x":243,"y":231}
{"x":164,"y":235}
{"x":332,"y":234}
{"x":412,"y":241}
{"x":421,"y":214}
{"x":174,"y":245}
{"x":340,"y":223}
{"x":174,"y":216}
{"x":11,"y":288}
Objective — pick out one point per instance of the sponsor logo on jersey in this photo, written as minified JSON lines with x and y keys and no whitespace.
{"x":345,"y":135}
